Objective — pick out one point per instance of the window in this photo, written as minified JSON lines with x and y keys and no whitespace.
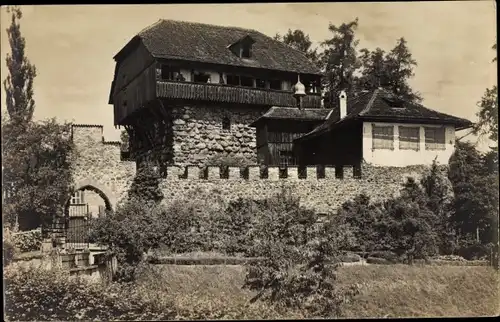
{"x":246,"y":81}
{"x":260,"y":83}
{"x":383,"y":137}
{"x":245,"y":51}
{"x":226,"y":123}
{"x":275,"y":84}
{"x":409,"y":138}
{"x":286,"y":158}
{"x":200,"y":77}
{"x":233,"y":80}
{"x":435,"y":138}
{"x":77,"y":198}
{"x":169,"y":72}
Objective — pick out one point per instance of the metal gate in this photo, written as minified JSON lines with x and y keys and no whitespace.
{"x":78,"y":226}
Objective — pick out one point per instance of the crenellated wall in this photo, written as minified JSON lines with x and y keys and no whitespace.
{"x":98,"y":163}
{"x":321,"y":189}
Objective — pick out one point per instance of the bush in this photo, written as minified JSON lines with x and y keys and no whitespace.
{"x":28,"y":241}
{"x":475,"y":251}
{"x":403,"y":225}
{"x":9,"y":251}
{"x":35,"y":294}
{"x":296,"y":272}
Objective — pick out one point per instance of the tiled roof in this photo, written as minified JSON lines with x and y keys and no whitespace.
{"x":294,"y":113}
{"x":171,"y":39}
{"x":382,"y":105}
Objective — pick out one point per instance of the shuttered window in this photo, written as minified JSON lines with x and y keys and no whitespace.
{"x":435,"y":138}
{"x":382,"y":137}
{"x":409,"y":138}
{"x":77,"y":198}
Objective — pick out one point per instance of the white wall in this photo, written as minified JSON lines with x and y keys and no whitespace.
{"x":401,"y":158}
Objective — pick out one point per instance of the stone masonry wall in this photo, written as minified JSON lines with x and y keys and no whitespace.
{"x":99,"y":165}
{"x":323,"y":195}
{"x":198,"y":133}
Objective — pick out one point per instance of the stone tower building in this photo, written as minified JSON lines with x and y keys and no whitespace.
{"x":188,"y":92}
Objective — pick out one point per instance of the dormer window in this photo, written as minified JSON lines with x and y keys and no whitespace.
{"x":243,"y":47}
{"x":245,"y":51}
{"x":395,"y":103}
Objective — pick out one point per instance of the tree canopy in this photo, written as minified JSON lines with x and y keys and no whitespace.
{"x":36,"y":156}
{"x":19,"y":82}
{"x":346,"y":69}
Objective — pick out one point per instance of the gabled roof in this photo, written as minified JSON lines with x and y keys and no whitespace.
{"x":381,"y":105}
{"x":171,"y":39}
{"x":294,"y":113}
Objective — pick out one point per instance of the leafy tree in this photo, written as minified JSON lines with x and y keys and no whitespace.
{"x":146,"y":186}
{"x":340,"y":61}
{"x":37,"y":171}
{"x":296,"y":270}
{"x":488,"y":115}
{"x":124,"y":138}
{"x":363,"y":217}
{"x":19,"y":83}
{"x":297,"y":39}
{"x":475,"y":205}
{"x":36,"y":156}
{"x":439,"y":192}
{"x":488,"y":122}
{"x":390,"y":70}
{"x":374,"y":72}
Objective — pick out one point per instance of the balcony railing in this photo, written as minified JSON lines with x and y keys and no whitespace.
{"x":231,"y":94}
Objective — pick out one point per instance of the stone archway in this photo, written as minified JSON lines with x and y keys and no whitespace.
{"x":91,"y":185}
{"x":77,"y":224}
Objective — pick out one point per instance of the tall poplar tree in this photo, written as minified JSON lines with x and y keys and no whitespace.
{"x":19,"y":83}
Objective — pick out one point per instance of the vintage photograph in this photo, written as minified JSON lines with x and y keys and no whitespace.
{"x":250,"y":161}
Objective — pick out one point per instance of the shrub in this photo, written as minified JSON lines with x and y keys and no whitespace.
{"x":234,"y":227}
{"x":403,"y":225}
{"x":131,"y":231}
{"x":9,"y":252}
{"x":474,"y":250}
{"x":36,"y":294}
{"x":296,"y":272}
{"x":28,"y":241}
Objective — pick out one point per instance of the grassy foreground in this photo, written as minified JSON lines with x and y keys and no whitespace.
{"x":386,"y":290}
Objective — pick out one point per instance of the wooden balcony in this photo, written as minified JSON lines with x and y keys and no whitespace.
{"x":231,"y":94}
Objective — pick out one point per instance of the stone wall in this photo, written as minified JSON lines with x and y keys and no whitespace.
{"x":99,"y":165}
{"x":199,"y":135}
{"x":323,"y":195}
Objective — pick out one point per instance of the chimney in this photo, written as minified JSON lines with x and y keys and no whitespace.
{"x":343,"y":104}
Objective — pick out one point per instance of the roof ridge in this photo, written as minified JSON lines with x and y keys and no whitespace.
{"x":150,"y":26}
{"x":370,"y":102}
{"x":208,"y":24}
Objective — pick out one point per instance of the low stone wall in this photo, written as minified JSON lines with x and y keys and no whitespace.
{"x":91,"y":265}
{"x":321,"y":191}
{"x":99,"y":166}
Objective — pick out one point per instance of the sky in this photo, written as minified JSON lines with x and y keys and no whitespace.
{"x":72,"y":46}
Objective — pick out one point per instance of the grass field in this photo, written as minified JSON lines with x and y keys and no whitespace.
{"x":386,"y":290}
